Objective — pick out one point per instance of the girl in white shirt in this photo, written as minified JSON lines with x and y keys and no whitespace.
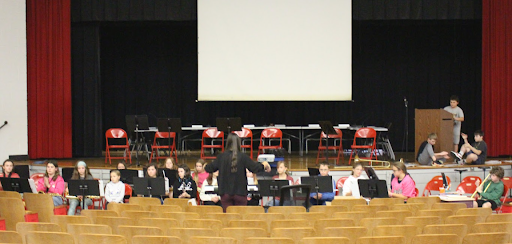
{"x":114,"y":191}
{"x":208,"y":198}
{"x":351,"y":187}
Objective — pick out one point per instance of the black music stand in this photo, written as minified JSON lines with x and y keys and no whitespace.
{"x":67,"y":173}
{"x":327,"y":129}
{"x":170,"y":174}
{"x":149,"y":186}
{"x":84,"y":188}
{"x":169,"y":125}
{"x":16,"y":184}
{"x":139,"y":122}
{"x":319,"y":183}
{"x":373,"y":188}
{"x":313,"y":171}
{"x":22,"y":170}
{"x":370,"y":172}
{"x":227,"y":125}
{"x":271,"y":188}
{"x":127,"y":175}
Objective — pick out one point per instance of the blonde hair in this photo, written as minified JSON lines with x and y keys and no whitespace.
{"x":196,"y":174}
{"x":401,"y":166}
{"x":282,"y":162}
{"x":432,"y":136}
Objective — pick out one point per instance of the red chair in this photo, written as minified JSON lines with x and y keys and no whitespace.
{"x":269,"y":134}
{"x":338,"y":148}
{"x":366,"y":134}
{"x":466,"y":188}
{"x":468,"y":185}
{"x":340,"y":183}
{"x":127,"y":192}
{"x":245,"y":134}
{"x":434,"y":184}
{"x":163,"y":137}
{"x":36,"y":177}
{"x":116,"y":133}
{"x":507,"y":181}
{"x":472,"y":179}
{"x":211,"y":134}
{"x":504,"y":198}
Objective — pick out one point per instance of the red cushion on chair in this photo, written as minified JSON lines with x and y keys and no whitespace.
{"x":60,"y":210}
{"x":2,"y":224}
{"x":31,"y":217}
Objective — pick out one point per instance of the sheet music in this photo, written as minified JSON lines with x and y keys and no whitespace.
{"x":32,"y":185}
{"x":102,"y":188}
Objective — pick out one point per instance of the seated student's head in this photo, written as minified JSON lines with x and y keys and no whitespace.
{"x":52,"y":170}
{"x":7,"y":167}
{"x":399,"y":169}
{"x":432,"y":138}
{"x":281,"y":168}
{"x":324,"y":168}
{"x":151,"y":171}
{"x":169,"y":163}
{"x":212,"y":176}
{"x":81,"y":170}
{"x":183,"y":171}
{"x":115,"y":175}
{"x":479,"y":135}
{"x":497,"y":173}
{"x":357,"y":169}
{"x":199,"y":167}
{"x":121,"y":165}
{"x":454,"y":101}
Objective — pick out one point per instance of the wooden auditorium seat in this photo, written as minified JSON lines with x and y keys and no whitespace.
{"x":240,"y":234}
{"x":114,"y":222}
{"x":325,"y":240}
{"x":328,"y":209}
{"x":352,"y":233}
{"x":245,"y":209}
{"x":459,"y":229}
{"x":213,"y":224}
{"x":381,"y":240}
{"x":250,"y":224}
{"x":163,"y":223}
{"x":186,"y":233}
{"x":212,"y":240}
{"x":348,"y":202}
{"x":321,"y":224}
{"x":437,"y":239}
{"x":45,"y":237}
{"x":294,"y":233}
{"x":143,"y":239}
{"x":145,"y":202}
{"x":76,"y":229}
{"x":224,"y":217}
{"x":407,"y":231}
{"x":13,"y":212}
{"x":399,"y":215}
{"x":179,"y":216}
{"x":128,"y":231}
{"x":371,"y":223}
{"x":23,"y":228}
{"x":164,"y":208}
{"x":101,"y":239}
{"x":354,"y":215}
{"x":286,"y":210}
{"x":7,"y":236}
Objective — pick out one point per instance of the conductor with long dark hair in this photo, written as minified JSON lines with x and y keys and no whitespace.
{"x":232,"y":177}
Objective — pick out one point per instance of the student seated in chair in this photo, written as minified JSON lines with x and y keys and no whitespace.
{"x":323,"y":197}
{"x":491,"y":190}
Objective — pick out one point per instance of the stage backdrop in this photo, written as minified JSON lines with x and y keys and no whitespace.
{"x":497,"y":76}
{"x":145,"y":62}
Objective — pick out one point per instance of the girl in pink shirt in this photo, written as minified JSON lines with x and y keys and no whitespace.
{"x":402,"y":186}
{"x":52,"y":182}
{"x":199,"y":174}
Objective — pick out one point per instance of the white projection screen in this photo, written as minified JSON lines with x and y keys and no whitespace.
{"x":274,"y":50}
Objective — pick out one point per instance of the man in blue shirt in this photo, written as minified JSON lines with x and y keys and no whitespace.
{"x":323,"y":196}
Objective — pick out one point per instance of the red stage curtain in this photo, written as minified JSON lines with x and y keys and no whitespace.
{"x":497,"y":76}
{"x":49,"y":78}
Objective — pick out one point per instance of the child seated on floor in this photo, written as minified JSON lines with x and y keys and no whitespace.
{"x":426,"y":155}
